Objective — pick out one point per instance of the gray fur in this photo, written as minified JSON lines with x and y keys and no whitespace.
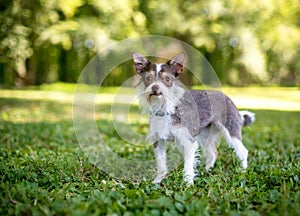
{"x":247,"y":120}
{"x":199,"y":109}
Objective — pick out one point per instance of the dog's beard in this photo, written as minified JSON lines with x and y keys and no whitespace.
{"x":157,"y":102}
{"x":166,"y":101}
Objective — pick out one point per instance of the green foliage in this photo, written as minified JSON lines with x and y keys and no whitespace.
{"x":245,"y":41}
{"x":44,"y":172}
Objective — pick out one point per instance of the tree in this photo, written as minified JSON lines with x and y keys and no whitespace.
{"x":45,"y":41}
{"x":245,"y":41}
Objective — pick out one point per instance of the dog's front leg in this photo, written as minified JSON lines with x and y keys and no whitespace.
{"x":189,"y":151}
{"x":161,"y":160}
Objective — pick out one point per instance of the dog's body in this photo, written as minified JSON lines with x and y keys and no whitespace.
{"x":187,"y":117}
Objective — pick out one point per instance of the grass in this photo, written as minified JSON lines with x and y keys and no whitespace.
{"x":43,"y":170}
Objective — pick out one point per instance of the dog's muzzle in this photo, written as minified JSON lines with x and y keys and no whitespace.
{"x":155,"y":91}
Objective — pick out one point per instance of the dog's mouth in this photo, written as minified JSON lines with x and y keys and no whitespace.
{"x":155,"y":94}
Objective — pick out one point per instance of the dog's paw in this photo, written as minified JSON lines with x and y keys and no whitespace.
{"x":209,"y":167}
{"x":244,"y":164}
{"x":189,"y":180}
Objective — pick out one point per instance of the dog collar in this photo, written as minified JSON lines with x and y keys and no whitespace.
{"x":160,"y":113}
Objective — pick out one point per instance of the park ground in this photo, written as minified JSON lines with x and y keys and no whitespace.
{"x":44,"y":171}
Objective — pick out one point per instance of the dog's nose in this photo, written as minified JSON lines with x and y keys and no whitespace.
{"x":155,"y":88}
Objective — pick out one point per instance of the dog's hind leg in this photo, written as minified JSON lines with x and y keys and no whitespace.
{"x":161,"y":160}
{"x":240,"y":150}
{"x":235,"y":143}
{"x":210,"y":138}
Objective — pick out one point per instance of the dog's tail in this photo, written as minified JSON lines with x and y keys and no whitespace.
{"x":247,"y":117}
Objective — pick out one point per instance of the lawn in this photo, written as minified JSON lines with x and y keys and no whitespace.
{"x":44,"y":171}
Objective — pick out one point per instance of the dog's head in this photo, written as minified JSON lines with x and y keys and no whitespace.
{"x":159,"y":84}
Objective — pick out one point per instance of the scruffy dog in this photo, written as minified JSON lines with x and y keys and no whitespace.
{"x":187,"y":117}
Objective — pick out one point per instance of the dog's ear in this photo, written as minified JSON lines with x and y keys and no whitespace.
{"x":140,"y":62}
{"x":176,"y":63}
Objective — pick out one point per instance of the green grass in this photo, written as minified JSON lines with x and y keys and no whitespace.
{"x":43,"y":171}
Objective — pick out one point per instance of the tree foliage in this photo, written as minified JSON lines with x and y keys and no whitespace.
{"x":245,"y":41}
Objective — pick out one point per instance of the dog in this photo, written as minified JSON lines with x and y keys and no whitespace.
{"x":187,"y":117}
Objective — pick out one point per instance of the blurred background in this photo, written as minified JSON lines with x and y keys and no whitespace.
{"x":252,"y":42}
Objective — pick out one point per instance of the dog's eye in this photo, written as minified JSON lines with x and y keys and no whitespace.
{"x":148,"y":78}
{"x":167,"y":79}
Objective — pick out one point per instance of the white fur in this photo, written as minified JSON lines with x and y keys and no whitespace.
{"x":159,"y":128}
{"x":247,"y":113}
{"x":161,"y":161}
{"x":210,"y":137}
{"x":236,"y":144}
{"x":166,"y":102}
{"x":189,"y":147}
{"x":158,"y":67}
{"x":189,"y":151}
